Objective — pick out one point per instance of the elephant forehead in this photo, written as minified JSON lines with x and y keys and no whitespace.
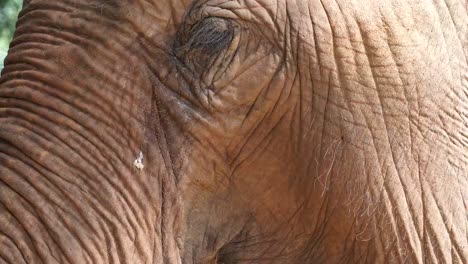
{"x":283,"y":15}
{"x":285,"y":20}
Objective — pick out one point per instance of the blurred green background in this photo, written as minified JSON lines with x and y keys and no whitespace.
{"x":9,"y":10}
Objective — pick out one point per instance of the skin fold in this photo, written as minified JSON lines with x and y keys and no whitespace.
{"x":270,"y":131}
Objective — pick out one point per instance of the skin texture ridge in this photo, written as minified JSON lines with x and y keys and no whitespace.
{"x":270,"y":131}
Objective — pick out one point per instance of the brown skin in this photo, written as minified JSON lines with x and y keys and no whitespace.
{"x":272,"y":131}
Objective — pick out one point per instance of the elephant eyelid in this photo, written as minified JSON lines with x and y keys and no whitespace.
{"x":212,"y":35}
{"x":209,"y":36}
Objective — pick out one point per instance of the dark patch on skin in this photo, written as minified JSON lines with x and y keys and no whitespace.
{"x":200,"y":44}
{"x":112,"y":4}
{"x":111,"y":9}
{"x":26,"y":2}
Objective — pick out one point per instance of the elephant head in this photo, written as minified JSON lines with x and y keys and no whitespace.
{"x":229,"y":131}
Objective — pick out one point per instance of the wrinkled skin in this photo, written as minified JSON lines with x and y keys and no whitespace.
{"x":272,"y":131}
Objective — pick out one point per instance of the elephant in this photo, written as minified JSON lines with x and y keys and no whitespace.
{"x":235,"y":131}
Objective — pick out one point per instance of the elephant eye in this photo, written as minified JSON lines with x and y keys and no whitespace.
{"x":201,"y":44}
{"x":211,"y":35}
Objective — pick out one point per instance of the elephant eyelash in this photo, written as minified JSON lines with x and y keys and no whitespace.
{"x":211,"y":35}
{"x":199,"y":45}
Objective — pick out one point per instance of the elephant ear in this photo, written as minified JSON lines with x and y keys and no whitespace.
{"x":202,"y":44}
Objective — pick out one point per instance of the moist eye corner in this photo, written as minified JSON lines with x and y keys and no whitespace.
{"x":138,"y":163}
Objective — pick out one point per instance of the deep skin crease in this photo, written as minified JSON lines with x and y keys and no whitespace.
{"x":272,"y":131}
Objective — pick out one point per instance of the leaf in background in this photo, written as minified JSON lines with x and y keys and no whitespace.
{"x":9,"y":10}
